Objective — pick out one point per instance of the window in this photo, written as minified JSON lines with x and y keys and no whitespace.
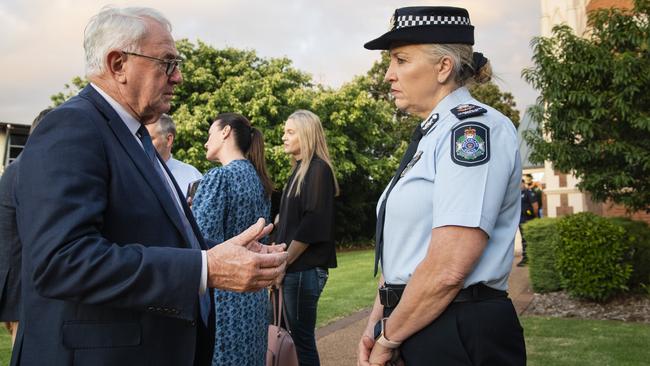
{"x":15,"y":144}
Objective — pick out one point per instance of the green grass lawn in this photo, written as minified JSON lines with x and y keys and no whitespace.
{"x":5,"y":346}
{"x":350,"y":287}
{"x":576,"y":342}
{"x":549,"y":341}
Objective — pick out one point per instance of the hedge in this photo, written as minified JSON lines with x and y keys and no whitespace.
{"x":591,"y":257}
{"x":639,"y":234}
{"x":541,"y":238}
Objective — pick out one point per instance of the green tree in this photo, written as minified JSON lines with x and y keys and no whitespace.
{"x":490,"y":94}
{"x":69,"y":91}
{"x":229,"y":80}
{"x":593,"y":112}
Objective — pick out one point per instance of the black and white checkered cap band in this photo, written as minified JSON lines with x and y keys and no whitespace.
{"x":405,"y":21}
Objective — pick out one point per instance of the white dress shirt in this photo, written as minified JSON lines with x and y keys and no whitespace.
{"x":183,"y":173}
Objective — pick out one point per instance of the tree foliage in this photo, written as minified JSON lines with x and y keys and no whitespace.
{"x":504,"y":102}
{"x":69,"y":90}
{"x":593,"y":112}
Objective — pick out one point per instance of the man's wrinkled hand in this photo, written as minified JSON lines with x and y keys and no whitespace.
{"x":243,"y":264}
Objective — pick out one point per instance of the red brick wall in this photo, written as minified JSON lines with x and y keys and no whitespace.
{"x":600,"y":4}
{"x":613,"y":210}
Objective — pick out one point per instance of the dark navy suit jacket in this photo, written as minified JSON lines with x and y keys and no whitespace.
{"x":108,"y":276}
{"x":10,"y":247}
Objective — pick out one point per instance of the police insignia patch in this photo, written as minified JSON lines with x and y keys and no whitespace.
{"x":470,"y":144}
{"x":467,"y":110}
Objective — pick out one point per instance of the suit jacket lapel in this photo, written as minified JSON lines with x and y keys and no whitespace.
{"x":186,"y":208}
{"x":137,"y":154}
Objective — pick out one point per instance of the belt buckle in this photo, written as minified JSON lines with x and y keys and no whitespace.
{"x":388,"y":297}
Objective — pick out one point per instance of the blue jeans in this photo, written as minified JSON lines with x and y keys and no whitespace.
{"x":301,"y":293}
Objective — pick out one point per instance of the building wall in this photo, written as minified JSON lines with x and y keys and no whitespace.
{"x":610,"y":209}
{"x":570,"y":12}
{"x":560,"y":193}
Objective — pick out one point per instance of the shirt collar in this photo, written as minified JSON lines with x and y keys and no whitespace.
{"x":131,"y":123}
{"x":458,"y":96}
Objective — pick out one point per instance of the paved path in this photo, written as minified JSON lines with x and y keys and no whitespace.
{"x":337,"y":342}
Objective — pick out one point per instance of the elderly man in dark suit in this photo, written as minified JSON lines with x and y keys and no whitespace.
{"x":114,"y":269}
{"x":10,"y":246}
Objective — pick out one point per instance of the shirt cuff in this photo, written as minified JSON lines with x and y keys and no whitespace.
{"x":204,"y":272}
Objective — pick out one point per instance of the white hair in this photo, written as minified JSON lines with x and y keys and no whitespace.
{"x":117,"y":29}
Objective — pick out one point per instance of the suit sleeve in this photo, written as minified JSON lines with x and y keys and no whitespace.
{"x":63,"y":191}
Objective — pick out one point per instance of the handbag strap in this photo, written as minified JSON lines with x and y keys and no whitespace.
{"x":279,"y":310}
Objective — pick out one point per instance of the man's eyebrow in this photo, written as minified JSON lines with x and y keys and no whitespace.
{"x":171,"y":56}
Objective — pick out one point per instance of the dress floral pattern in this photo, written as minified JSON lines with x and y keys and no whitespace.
{"x":229,"y":200}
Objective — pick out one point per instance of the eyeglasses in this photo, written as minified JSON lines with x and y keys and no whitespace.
{"x":170,"y":65}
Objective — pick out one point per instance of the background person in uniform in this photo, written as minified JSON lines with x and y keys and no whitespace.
{"x":229,"y":199}
{"x":10,"y":246}
{"x":537,"y":191}
{"x":114,"y":267}
{"x":307,"y":222}
{"x":529,"y":208}
{"x":163,"y":134}
{"x":447,"y":221}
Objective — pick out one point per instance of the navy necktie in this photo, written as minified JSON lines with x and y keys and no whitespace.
{"x":149,"y":149}
{"x":408,"y":155}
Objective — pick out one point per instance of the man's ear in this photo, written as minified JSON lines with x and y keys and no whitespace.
{"x":170,"y":140}
{"x":116,"y":64}
{"x":444,"y":67}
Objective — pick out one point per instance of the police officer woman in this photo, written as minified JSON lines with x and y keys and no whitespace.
{"x":446,"y":222}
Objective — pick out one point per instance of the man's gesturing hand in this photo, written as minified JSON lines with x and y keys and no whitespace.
{"x":243,"y":264}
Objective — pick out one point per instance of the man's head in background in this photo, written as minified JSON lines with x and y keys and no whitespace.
{"x":163,"y":133}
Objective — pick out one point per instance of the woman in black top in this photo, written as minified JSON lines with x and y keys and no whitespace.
{"x":306,"y":223}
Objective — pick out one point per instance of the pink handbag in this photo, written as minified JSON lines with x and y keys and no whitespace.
{"x":281,"y":350}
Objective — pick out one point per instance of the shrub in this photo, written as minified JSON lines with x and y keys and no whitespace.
{"x":591,"y":256}
{"x":542,"y":240}
{"x":639,"y":233}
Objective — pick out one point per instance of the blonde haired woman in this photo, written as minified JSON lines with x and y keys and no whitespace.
{"x":306,"y":223}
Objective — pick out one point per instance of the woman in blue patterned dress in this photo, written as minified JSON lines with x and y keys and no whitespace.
{"x":229,"y":199}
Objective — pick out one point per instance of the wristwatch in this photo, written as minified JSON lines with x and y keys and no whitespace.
{"x":385,"y":342}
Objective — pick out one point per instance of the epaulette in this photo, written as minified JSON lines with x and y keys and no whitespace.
{"x":463,"y":111}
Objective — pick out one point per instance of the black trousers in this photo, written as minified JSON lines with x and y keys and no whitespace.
{"x":523,"y":242}
{"x":469,"y":333}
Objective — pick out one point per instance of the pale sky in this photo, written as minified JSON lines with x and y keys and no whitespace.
{"x":41,"y":40}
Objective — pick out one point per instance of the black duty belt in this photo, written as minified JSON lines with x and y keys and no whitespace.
{"x":389,"y":295}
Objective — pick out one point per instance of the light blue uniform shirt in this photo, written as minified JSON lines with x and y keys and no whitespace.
{"x":440,"y":190}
